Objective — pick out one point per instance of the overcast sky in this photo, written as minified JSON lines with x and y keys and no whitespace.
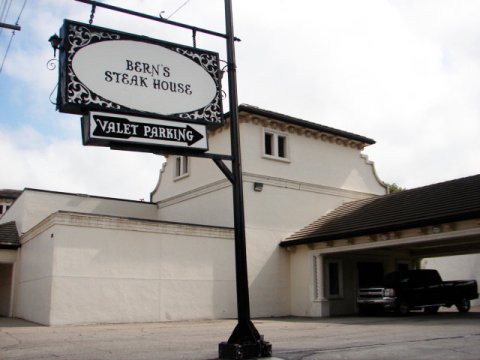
{"x":403,"y":72}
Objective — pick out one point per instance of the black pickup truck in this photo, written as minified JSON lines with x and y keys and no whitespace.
{"x":403,"y":291}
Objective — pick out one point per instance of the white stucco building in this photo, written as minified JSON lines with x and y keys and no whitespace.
{"x":85,"y":259}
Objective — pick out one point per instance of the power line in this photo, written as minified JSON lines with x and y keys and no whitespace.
{"x":4,"y":13}
{"x":21,"y":11}
{"x":6,"y":51}
{"x":181,"y":6}
{"x":5,"y":9}
{"x":13,"y":34}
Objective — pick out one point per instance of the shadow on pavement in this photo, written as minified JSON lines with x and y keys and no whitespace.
{"x":6,"y":322}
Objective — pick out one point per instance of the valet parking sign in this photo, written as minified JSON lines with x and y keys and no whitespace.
{"x":135,"y":90}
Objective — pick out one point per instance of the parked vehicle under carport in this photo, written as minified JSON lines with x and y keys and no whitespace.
{"x":403,"y":291}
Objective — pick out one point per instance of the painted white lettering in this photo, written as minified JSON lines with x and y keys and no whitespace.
{"x":103,"y":124}
{"x":162,"y":132}
{"x":181,"y":134}
{"x":134,"y":129}
{"x":111,"y":127}
{"x":147,"y":130}
{"x":154,"y":132}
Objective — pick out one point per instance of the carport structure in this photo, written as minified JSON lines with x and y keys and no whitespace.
{"x":9,"y":243}
{"x":356,"y":243}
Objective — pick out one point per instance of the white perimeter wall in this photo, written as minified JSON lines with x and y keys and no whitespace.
{"x":89,"y":269}
{"x":33,"y":279}
{"x":34,"y":206}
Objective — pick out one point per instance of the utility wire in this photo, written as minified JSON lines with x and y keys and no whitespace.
{"x":6,"y":51}
{"x":181,"y":6}
{"x":5,"y":10}
{"x":11,"y":37}
{"x":21,"y":11}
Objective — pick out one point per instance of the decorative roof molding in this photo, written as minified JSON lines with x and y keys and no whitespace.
{"x":339,"y":245}
{"x":285,"y":123}
{"x":85,"y":195}
{"x":125,"y":224}
{"x":304,"y":186}
{"x":267,"y":180}
{"x":374,"y":170}
{"x":191,"y":194}
{"x":160,"y":176}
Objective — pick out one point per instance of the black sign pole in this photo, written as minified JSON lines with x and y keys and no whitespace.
{"x":245,"y":341}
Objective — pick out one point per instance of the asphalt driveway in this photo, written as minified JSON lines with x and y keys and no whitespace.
{"x":446,"y":335}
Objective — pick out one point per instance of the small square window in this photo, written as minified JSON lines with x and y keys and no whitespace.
{"x":181,"y":166}
{"x":275,"y":145}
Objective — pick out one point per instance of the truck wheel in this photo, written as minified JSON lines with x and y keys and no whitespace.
{"x":463,"y":305}
{"x":402,"y":308}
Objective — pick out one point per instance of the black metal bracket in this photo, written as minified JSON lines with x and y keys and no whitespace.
{"x":92,"y":14}
{"x":15,"y":27}
{"x":224,"y":169}
{"x":166,"y":152}
{"x":217,"y":158}
{"x":154,"y":18}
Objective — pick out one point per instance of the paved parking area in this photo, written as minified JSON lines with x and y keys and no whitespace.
{"x":446,"y":335}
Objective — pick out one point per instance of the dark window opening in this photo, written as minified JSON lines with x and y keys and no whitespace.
{"x":333,"y":278}
{"x":268,"y":144}
{"x":282,"y":142}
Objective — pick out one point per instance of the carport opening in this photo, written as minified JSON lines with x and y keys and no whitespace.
{"x":370,"y":274}
{"x":6,"y":275}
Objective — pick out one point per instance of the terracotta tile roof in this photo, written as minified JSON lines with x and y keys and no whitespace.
{"x":434,"y":204}
{"x":9,"y":238}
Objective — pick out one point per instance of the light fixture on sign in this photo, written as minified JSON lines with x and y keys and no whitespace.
{"x":55,"y":41}
{"x":258,"y":186}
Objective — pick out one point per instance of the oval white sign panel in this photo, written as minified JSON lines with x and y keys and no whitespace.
{"x":144,"y":77}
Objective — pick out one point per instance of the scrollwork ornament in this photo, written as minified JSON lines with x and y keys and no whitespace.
{"x":209,"y":63}
{"x":79,"y":37}
{"x":52,"y":64}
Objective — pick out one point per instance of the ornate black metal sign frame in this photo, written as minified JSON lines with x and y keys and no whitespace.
{"x":112,"y":71}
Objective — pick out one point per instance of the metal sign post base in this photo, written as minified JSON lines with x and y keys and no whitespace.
{"x":257,"y":350}
{"x":245,"y":343}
